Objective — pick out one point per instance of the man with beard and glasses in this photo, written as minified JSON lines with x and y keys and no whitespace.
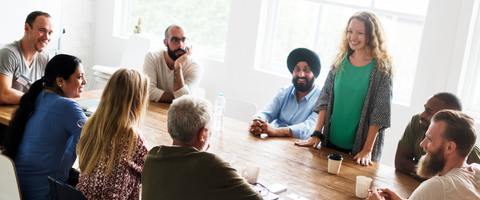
{"x":23,"y":62}
{"x":449,"y":139}
{"x":172,"y":72}
{"x":409,"y":150}
{"x":290,"y":113}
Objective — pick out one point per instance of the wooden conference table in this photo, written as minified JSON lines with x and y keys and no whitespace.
{"x":303,"y":170}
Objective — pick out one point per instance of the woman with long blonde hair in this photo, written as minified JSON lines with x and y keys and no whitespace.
{"x":355,"y":103}
{"x":111,"y":149}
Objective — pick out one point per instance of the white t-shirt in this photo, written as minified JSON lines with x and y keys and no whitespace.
{"x":161,"y":77}
{"x":458,"y":183}
{"x":13,"y":64}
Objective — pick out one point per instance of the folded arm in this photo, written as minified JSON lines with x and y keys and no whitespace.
{"x":259,"y":126}
{"x":268,"y":114}
{"x":404,"y":160}
{"x":155,"y":94}
{"x":187,"y":74}
{"x":8,"y":95}
{"x":406,"y":147}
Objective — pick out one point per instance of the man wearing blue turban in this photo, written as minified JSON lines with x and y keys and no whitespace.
{"x":290,"y":113}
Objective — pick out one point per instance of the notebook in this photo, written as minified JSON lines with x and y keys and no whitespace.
{"x":90,"y":106}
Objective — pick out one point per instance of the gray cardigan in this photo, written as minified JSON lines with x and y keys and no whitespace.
{"x":376,"y":110}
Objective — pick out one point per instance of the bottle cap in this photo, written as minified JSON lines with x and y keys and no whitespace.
{"x":220,"y":94}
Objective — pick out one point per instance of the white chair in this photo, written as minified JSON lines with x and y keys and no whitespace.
{"x":133,"y":57}
{"x":239,"y":109}
{"x":9,"y":188}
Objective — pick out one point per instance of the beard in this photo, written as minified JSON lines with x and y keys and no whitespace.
{"x":430,"y":167}
{"x":303,"y":87}
{"x":427,"y":122}
{"x":172,"y":54}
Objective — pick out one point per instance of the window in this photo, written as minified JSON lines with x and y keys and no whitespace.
{"x":475,"y":103}
{"x":318,"y":24}
{"x":206,"y":22}
{"x":471,"y":83}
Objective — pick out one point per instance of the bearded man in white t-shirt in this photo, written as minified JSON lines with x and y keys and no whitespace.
{"x":172,"y":71}
{"x":448,"y":141}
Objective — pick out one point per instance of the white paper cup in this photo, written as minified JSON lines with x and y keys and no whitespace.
{"x":334,"y":163}
{"x":250,"y":172}
{"x":363,"y":184}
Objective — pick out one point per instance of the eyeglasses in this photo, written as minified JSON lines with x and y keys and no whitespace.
{"x":176,"y":40}
{"x":261,"y":189}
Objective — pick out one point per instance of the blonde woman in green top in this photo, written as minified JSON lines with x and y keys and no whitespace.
{"x":355,"y":104}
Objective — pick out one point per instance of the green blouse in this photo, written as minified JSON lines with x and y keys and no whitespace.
{"x":350,"y":88}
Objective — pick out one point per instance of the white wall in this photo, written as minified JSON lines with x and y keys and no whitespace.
{"x":439,"y":64}
{"x":77,"y":20}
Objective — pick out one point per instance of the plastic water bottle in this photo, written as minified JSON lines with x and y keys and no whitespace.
{"x":219,"y":112}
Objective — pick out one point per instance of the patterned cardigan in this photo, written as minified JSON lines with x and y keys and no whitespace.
{"x":376,"y":110}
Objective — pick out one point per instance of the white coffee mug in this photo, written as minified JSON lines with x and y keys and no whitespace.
{"x":250,"y":172}
{"x":362,"y":186}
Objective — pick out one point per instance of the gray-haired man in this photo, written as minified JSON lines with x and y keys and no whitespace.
{"x":184,"y":170}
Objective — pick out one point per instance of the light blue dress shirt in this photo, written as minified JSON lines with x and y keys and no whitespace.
{"x":285,"y":111}
{"x":48,"y":144}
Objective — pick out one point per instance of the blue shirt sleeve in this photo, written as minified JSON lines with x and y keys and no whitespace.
{"x":273,"y":108}
{"x":72,"y":114}
{"x":304,"y":130}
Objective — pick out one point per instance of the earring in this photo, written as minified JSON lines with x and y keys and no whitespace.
{"x":60,"y":85}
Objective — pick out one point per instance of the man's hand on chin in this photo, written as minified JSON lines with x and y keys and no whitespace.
{"x":183,"y":58}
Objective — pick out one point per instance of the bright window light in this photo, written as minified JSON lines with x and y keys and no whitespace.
{"x":206,"y":22}
{"x":318,"y":25}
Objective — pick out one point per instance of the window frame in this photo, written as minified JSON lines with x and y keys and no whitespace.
{"x":472,"y":69}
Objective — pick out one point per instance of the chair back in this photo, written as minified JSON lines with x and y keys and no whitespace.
{"x":134,"y":53}
{"x":63,"y":191}
{"x":9,"y":187}
{"x":239,"y":109}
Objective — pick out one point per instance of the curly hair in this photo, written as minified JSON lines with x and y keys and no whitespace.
{"x":375,"y":44}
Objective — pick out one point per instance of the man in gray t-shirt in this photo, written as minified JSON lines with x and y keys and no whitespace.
{"x":23,"y":62}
